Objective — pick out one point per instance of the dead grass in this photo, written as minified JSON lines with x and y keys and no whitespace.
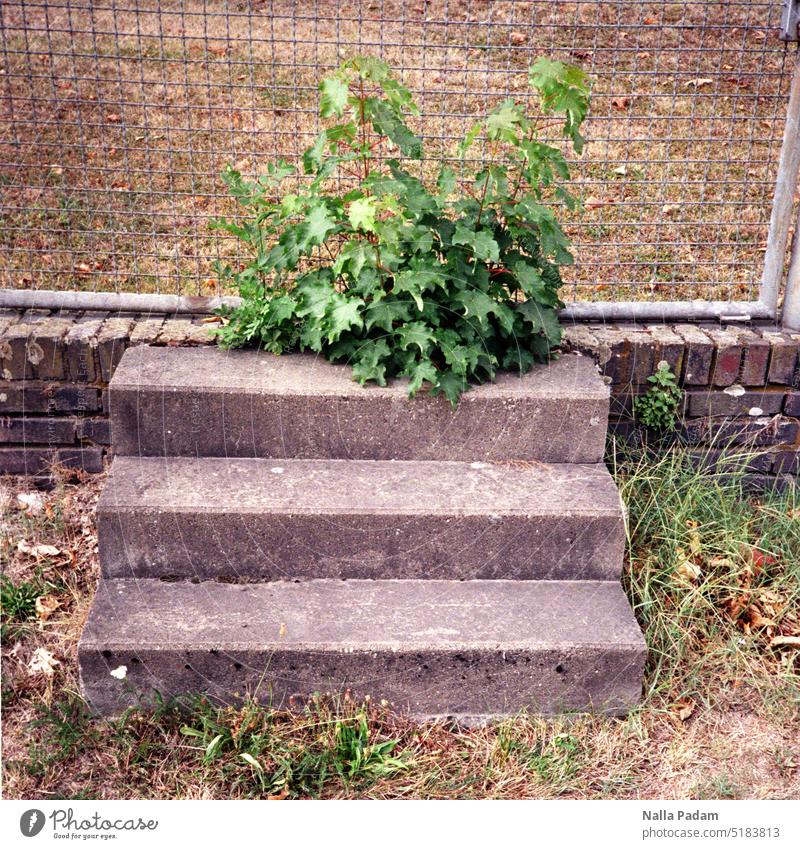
{"x":720,"y":716}
{"x":118,"y":123}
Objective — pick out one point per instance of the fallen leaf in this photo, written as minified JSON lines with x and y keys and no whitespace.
{"x":686,"y":709}
{"x":699,"y":82}
{"x":669,"y":208}
{"x":113,"y":118}
{"x":43,"y":661}
{"x":686,"y":569}
{"x":38,"y":550}
{"x":622,"y":170}
{"x":46,"y":606}
{"x":620,"y":103}
{"x":593,"y":203}
{"x":518,"y":37}
{"x":31,"y":502}
{"x":791,"y":642}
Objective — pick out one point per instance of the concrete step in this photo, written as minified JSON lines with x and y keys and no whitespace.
{"x":469,"y":649}
{"x":266,"y":520}
{"x":211,"y":403}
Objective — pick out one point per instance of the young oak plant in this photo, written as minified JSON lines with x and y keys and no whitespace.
{"x":442,"y":283}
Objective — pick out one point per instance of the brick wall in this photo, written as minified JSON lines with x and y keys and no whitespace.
{"x":742,"y":384}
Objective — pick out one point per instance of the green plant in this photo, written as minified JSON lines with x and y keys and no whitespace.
{"x":17,"y":605}
{"x":442,"y":282}
{"x":658,"y":407}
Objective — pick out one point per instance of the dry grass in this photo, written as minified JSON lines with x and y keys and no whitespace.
{"x":720,"y":716}
{"x":118,"y":123}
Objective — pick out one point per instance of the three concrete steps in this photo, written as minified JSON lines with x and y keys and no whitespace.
{"x":269,"y":527}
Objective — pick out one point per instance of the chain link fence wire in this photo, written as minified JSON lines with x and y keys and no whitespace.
{"x":118,"y":117}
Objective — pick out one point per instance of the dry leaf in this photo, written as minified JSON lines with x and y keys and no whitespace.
{"x":42,"y":661}
{"x":282,"y":631}
{"x":31,"y":502}
{"x":790,"y":642}
{"x":518,"y":37}
{"x":686,"y":709}
{"x":113,"y":118}
{"x":686,"y":569}
{"x":622,"y":170}
{"x":593,"y":203}
{"x":699,"y":82}
{"x":46,"y":606}
{"x":39,"y":550}
{"x":620,"y":103}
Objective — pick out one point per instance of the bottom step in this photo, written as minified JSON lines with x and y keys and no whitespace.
{"x":466,"y":649}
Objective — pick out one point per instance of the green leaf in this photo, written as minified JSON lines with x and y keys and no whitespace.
{"x":318,"y":226}
{"x":415,"y":333}
{"x":385,"y":313}
{"x":451,"y":385}
{"x":361,"y":214}
{"x":481,"y":242}
{"x":422,"y":371}
{"x":387,"y":122}
{"x":344,"y":314}
{"x":368,"y":362}
{"x":505,"y":121}
{"x":335,"y":93}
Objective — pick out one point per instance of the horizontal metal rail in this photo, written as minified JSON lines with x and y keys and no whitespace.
{"x":578,"y":311}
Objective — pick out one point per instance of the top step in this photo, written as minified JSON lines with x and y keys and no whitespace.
{"x":206,"y":402}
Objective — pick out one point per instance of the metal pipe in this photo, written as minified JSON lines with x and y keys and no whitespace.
{"x":790,"y":315}
{"x":783,"y":202}
{"x":111,"y":301}
{"x":599,"y":311}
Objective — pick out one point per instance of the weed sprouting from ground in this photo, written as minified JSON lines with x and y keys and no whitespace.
{"x":712,"y":573}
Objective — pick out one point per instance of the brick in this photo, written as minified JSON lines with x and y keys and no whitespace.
{"x":720,"y":403}
{"x":174,"y":332}
{"x":727,"y":356}
{"x":96,"y":430}
{"x":76,"y":398}
{"x":719,"y":461}
{"x":25,"y":461}
{"x":578,"y":337}
{"x":755,"y":357}
{"x":87,"y":458}
{"x":81,"y":345}
{"x":48,"y":430}
{"x":792,"y":404}
{"x":617,"y":354}
{"x":145,"y":331}
{"x":762,"y":431}
{"x":112,"y":340}
{"x":24,"y":397}
{"x":783,"y":357}
{"x":201,"y":334}
{"x":787,"y":463}
{"x":698,"y":356}
{"x":668,"y":347}
{"x":14,"y":352}
{"x":47,"y":343}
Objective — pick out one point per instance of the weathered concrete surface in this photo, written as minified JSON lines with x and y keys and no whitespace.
{"x":433,"y":648}
{"x":212,"y":517}
{"x":209,"y":402}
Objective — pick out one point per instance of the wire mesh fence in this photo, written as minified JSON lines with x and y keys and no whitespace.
{"x":118,"y":117}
